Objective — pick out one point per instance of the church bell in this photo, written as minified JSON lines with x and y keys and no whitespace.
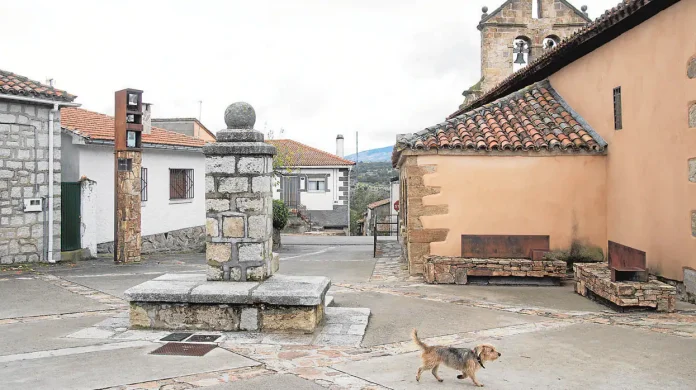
{"x":519,"y":59}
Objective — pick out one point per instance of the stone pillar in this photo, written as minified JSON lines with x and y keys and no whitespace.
{"x":239,"y":201}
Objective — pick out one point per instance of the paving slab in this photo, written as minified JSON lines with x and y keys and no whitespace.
{"x":393,"y":317}
{"x":26,"y":297}
{"x":269,"y":382}
{"x":45,"y":335}
{"x":550,"y":297}
{"x":223,"y":292}
{"x":292,"y":290}
{"x":583,"y":356}
{"x":161,"y":291}
{"x":111,"y":368}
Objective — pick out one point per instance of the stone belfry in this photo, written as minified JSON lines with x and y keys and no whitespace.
{"x":519,"y":31}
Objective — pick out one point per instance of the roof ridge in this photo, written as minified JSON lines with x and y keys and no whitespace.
{"x":315,"y":149}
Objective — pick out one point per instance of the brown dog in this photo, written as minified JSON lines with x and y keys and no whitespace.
{"x":462,"y":359}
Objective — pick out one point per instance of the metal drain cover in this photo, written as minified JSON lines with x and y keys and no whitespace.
{"x":184,"y":349}
{"x":176,"y":337}
{"x":204,"y":338}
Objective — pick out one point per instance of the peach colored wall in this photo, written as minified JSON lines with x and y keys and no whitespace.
{"x":199,"y":132}
{"x":650,"y":199}
{"x":560,"y":196}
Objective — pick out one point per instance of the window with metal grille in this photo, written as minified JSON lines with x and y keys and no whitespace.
{"x":143,"y":184}
{"x":125,"y":164}
{"x":181,"y":184}
{"x":618,"y":122}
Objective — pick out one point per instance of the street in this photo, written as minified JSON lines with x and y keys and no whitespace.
{"x":62,"y":327}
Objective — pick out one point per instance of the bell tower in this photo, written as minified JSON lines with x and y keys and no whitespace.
{"x":516,"y":33}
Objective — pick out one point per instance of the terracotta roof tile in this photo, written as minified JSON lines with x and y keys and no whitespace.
{"x":378,"y":203}
{"x":301,"y":155}
{"x":14,"y":84}
{"x":609,"y":25}
{"x":532,"y":119}
{"x":96,"y":126}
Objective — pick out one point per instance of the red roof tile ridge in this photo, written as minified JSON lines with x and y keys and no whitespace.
{"x":36,"y":89}
{"x":378,"y":203}
{"x":333,"y":156}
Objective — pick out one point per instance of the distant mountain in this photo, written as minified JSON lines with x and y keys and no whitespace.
{"x":374,"y":155}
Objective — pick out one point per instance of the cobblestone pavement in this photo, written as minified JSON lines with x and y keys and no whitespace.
{"x":314,"y":357}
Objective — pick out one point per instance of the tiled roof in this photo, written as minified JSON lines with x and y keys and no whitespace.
{"x":614,"y":22}
{"x":378,"y":203}
{"x":13,"y":84}
{"x":532,"y":119}
{"x":301,"y":155}
{"x":96,"y":126}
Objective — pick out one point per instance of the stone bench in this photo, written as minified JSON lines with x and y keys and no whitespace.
{"x":594,"y":280}
{"x":457,"y":270}
{"x":188,"y":301}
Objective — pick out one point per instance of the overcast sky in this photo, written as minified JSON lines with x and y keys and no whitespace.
{"x":314,"y":68}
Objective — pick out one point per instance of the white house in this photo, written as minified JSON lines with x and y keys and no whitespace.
{"x":173,"y":177}
{"x":314,"y":182}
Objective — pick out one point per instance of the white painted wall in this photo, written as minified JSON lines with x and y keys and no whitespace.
{"x":88,"y":216}
{"x":393,"y":197}
{"x":159,"y":214}
{"x":315,"y":200}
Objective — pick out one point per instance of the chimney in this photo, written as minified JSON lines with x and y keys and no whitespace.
{"x":339,"y":145}
{"x":147,"y":118}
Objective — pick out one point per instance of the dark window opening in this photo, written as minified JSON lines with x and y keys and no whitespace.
{"x":125,"y":164}
{"x":618,"y":121}
{"x":143,"y":184}
{"x":181,"y":184}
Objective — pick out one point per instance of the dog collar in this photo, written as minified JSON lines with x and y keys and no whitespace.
{"x":478,"y":359}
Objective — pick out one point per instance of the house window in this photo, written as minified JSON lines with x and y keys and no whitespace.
{"x":125,"y":164}
{"x":143,"y":184}
{"x":181,"y":184}
{"x":316,"y":185}
{"x":618,"y":122}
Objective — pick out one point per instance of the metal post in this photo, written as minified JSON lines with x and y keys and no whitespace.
{"x":374,"y":245}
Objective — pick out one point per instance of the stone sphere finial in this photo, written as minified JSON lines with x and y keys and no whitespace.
{"x":583,"y":8}
{"x":240,"y":115}
{"x":484,"y":9}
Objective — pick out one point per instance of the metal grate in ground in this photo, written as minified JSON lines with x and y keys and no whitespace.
{"x":184,"y":349}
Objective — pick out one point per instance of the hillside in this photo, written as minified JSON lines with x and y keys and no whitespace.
{"x":374,"y":155}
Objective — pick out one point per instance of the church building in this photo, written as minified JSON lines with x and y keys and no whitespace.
{"x":518,"y":32}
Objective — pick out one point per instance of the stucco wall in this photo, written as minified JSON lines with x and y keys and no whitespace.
{"x":159,"y":214}
{"x":561,"y":196}
{"x":650,"y":198}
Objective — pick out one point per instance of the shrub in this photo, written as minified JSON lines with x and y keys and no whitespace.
{"x":280,"y":214}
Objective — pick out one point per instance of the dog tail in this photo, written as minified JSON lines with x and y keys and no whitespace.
{"x":414,"y":336}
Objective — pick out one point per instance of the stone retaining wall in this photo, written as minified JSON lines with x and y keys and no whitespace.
{"x":596,"y":279}
{"x":183,"y":240}
{"x":225,"y":317}
{"x":455,"y":270}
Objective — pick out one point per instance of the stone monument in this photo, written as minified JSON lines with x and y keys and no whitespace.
{"x":239,"y":202}
{"x":239,"y":290}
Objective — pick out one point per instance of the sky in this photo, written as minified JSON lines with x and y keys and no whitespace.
{"x":312,"y":68}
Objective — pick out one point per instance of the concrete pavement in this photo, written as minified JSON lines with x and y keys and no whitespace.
{"x":550,"y":337}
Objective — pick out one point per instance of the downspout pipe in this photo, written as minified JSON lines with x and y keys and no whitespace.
{"x":51,"y":118}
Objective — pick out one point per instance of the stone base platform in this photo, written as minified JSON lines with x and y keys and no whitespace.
{"x":457,"y":270}
{"x":594,"y":281}
{"x":188,"y":301}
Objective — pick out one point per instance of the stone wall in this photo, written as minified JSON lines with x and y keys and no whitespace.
{"x":128,"y":209}
{"x":594,"y":280}
{"x":24,"y":174}
{"x":183,"y":240}
{"x":515,"y":20}
{"x":416,"y":238}
{"x":451,"y":270}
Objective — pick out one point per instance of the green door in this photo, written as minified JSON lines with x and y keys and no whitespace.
{"x":69,"y":216}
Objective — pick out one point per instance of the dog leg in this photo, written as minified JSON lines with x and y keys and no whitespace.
{"x":434,"y":371}
{"x":462,"y":375}
{"x":420,"y":370}
{"x":473,"y":378}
